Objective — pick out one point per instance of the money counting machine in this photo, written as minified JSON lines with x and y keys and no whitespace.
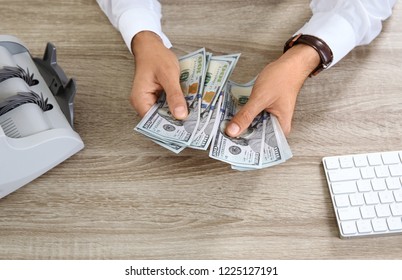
{"x":36,"y":114}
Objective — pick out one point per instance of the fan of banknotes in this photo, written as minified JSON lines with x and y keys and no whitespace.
{"x":213,"y":100}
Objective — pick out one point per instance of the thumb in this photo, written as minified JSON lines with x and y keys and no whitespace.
{"x":244,"y":117}
{"x":175,"y":98}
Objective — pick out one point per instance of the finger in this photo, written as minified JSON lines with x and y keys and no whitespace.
{"x":244,"y":117}
{"x":142,"y":101}
{"x":175,"y":98}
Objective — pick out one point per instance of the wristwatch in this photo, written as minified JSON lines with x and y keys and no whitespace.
{"x":319,"y":45}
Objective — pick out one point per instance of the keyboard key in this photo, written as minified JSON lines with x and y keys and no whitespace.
{"x":360,"y":161}
{"x":367,"y":172}
{"x":394,"y":223}
{"x":357,"y":199}
{"x":349,"y":227}
{"x":367,"y":212}
{"x":364,"y":226}
{"x":332,"y":163}
{"x":390,"y":158}
{"x":393,"y":183}
{"x":343,"y":175}
{"x":386,"y":197}
{"x":379,"y":225}
{"x":342,"y":200}
{"x":398,"y":195}
{"x":396,"y":209}
{"x":346,"y":162}
{"x":395,"y":170}
{"x":374,"y":159}
{"x":364,"y":185}
{"x":350,"y":213}
{"x":382,"y":210}
{"x":344,"y":187}
{"x":378,"y":184}
{"x":371,"y":198}
{"x":381,"y":171}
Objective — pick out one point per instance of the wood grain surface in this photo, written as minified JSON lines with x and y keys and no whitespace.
{"x":124,"y":197}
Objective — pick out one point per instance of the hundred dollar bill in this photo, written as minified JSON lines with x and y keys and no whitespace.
{"x":173,"y":147}
{"x":244,"y":151}
{"x":159,"y":121}
{"x":275,"y":148}
{"x":218,"y":71}
{"x":203,"y":139}
{"x":176,"y":148}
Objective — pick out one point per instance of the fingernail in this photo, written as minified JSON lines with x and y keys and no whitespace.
{"x":180,"y":112}
{"x":233,"y":129}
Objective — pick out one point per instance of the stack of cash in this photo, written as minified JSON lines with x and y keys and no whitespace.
{"x":212,"y":101}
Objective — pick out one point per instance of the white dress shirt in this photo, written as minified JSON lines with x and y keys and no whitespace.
{"x":342,"y":24}
{"x":133,"y":16}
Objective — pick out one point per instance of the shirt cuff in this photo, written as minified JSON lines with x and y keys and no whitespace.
{"x":334,"y":30}
{"x":134,"y":21}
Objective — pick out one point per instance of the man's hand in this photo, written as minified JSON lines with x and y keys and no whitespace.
{"x":156,"y":69}
{"x":276,"y":89}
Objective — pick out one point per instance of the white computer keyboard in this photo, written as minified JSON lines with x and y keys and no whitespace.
{"x":366,"y":192}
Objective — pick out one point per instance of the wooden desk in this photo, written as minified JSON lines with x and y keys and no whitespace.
{"x":124,"y":197}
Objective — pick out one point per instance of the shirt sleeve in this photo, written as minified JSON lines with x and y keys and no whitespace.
{"x":345,"y":24}
{"x":133,"y":16}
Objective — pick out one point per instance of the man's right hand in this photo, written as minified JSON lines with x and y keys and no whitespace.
{"x":156,"y":70}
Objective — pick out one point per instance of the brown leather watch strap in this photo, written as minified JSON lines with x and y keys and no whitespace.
{"x":319,"y":45}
